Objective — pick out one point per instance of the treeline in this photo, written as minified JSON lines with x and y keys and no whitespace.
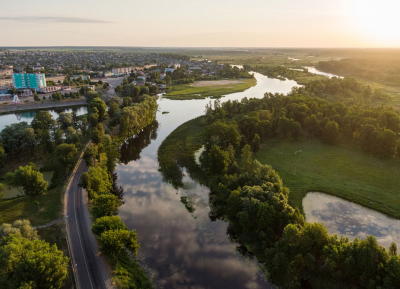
{"x":182,"y":76}
{"x":229,"y":71}
{"x":279,"y":72}
{"x":253,"y":199}
{"x":347,"y":90}
{"x":28,"y":262}
{"x":373,"y":69}
{"x":44,"y":134}
{"x":100,"y":182}
{"x":375,"y":129}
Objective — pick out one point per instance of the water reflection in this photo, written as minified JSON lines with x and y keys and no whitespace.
{"x":316,"y":71}
{"x":346,"y":218}
{"x":131,"y":149}
{"x":184,"y":249}
{"x":11,"y":118}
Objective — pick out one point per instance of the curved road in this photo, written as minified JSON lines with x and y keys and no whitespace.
{"x":90,"y":269}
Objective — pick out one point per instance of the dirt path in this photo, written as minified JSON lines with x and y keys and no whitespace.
{"x":49,"y":224}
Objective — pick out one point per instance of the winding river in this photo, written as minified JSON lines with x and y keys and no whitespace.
{"x":183,"y":249}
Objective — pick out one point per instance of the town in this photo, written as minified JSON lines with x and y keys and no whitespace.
{"x":24,"y":74}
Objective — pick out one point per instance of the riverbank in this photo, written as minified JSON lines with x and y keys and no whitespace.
{"x":26,"y":107}
{"x":204,"y":89}
{"x":343,"y":171}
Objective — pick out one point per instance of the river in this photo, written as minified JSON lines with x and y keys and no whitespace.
{"x":312,"y":69}
{"x":11,"y":118}
{"x":183,"y":249}
{"x":348,"y":219}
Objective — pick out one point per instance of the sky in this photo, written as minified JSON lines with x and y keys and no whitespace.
{"x":201,"y":23}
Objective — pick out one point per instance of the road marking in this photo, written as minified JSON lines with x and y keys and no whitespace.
{"x":80,"y":241}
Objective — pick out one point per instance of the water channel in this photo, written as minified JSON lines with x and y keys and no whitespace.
{"x":183,"y":249}
{"x":11,"y":118}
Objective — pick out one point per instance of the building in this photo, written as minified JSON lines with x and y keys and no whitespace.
{"x":169,"y":70}
{"x":6,"y":71}
{"x":108,"y":74}
{"x":25,"y":92}
{"x":123,"y":70}
{"x":6,"y":83}
{"x":84,"y":77}
{"x":162,"y":75}
{"x":29,"y":80}
{"x":49,"y":89}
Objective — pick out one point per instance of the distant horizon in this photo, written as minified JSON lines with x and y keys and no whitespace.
{"x":206,"y":23}
{"x":200,"y":47}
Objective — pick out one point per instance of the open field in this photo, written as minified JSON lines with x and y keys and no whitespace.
{"x":50,"y":208}
{"x":344,"y":171}
{"x":214,"y":89}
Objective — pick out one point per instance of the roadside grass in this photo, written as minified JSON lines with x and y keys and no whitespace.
{"x":344,"y":171}
{"x":185,"y":91}
{"x":50,"y":208}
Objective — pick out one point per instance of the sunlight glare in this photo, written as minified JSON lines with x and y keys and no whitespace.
{"x":378,"y":20}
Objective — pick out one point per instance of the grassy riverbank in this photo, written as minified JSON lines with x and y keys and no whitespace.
{"x":343,"y":171}
{"x":216,"y":89}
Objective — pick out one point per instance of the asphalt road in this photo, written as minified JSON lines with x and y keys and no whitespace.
{"x":86,"y":263}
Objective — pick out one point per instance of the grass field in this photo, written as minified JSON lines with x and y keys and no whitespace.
{"x":343,"y":171}
{"x":187,"y":91}
{"x":50,"y":208}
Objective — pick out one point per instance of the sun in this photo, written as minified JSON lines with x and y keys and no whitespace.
{"x":377,"y":20}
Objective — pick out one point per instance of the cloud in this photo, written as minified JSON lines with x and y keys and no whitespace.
{"x":53,"y":19}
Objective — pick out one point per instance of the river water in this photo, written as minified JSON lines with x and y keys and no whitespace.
{"x":180,"y":248}
{"x":316,"y":71}
{"x":348,"y":219}
{"x":11,"y":118}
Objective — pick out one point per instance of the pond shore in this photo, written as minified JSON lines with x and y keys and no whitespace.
{"x":41,"y":105}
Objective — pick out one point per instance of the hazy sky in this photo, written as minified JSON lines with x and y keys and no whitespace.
{"x":201,"y":23}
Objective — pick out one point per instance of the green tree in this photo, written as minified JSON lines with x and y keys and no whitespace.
{"x":105,"y":205}
{"x":113,"y":242}
{"x":168,"y":79}
{"x":3,"y":156}
{"x":108,"y":223}
{"x":101,"y":108}
{"x":90,"y":154}
{"x":246,"y":158}
{"x":118,"y":89}
{"x":255,"y":145}
{"x":65,"y":155}
{"x":96,"y":181}
{"x":331,"y":132}
{"x":219,"y":161}
{"x":98,"y":133}
{"x":28,"y":181}
{"x":36,"y":97}
{"x":28,"y":263}
{"x":22,"y":227}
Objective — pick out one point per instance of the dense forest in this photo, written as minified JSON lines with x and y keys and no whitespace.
{"x":373,"y":68}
